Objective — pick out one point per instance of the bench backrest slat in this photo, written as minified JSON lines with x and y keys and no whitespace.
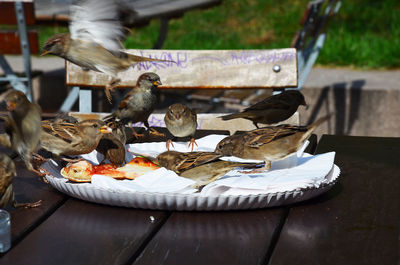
{"x":7,"y":12}
{"x":208,"y":69}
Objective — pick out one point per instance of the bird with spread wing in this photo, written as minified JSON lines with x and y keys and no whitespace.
{"x":94,"y":41}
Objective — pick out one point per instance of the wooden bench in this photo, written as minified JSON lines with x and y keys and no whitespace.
{"x":308,"y":41}
{"x":194,"y":69}
{"x":18,"y":41}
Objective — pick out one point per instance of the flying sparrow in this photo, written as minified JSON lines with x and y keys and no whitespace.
{"x":70,"y":139}
{"x":23,"y":125}
{"x":271,"y":110}
{"x":269,"y":143}
{"x":94,"y":41}
{"x":7,"y":173}
{"x":181,"y":121}
{"x":138,"y":103}
{"x":112,"y":145}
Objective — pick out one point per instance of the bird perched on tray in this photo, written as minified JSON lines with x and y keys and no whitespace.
{"x":181,"y":121}
{"x":271,"y":110}
{"x":69,"y":139}
{"x":202,"y":167}
{"x":22,"y":126}
{"x":112,"y":145}
{"x":7,"y":173}
{"x":94,"y":41}
{"x":268,"y":143}
{"x":179,"y":162}
{"x":138,"y":103}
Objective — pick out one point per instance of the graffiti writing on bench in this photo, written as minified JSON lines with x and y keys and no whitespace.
{"x":181,"y":59}
{"x":171,"y":59}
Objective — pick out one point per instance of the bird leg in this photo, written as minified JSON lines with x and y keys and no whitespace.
{"x":110,"y":87}
{"x":27,"y":205}
{"x":72,"y":160}
{"x":168,"y":143}
{"x":39,"y":159}
{"x":256,"y":124}
{"x":137,"y":135}
{"x":192,"y":143}
{"x":152,"y":131}
{"x":155,"y":132}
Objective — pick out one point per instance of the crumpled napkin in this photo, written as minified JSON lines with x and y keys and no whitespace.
{"x":310,"y":171}
{"x":159,"y":180}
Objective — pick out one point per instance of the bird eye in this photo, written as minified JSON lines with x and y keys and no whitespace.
{"x":95,"y":125}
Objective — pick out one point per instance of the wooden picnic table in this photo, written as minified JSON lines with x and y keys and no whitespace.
{"x":355,"y":222}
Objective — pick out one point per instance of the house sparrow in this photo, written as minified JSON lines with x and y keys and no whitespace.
{"x":181,"y":121}
{"x":202,"y":167}
{"x":112,"y":145}
{"x":179,"y":162}
{"x":269,"y":143}
{"x":22,"y":126}
{"x":69,"y":139}
{"x":138,"y":103}
{"x":7,"y":173}
{"x":271,"y":110}
{"x":94,"y":41}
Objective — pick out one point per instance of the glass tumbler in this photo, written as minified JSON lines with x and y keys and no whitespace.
{"x":5,"y":231}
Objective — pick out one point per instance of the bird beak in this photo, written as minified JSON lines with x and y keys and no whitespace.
{"x":45,"y":52}
{"x":177,"y":116}
{"x":157,"y":83}
{"x":11,"y":105}
{"x":105,"y":129}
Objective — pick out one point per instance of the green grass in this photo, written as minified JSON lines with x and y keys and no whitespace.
{"x":365,"y":34}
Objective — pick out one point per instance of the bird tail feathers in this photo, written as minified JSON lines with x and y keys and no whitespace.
{"x":231,"y":116}
{"x":137,"y":59}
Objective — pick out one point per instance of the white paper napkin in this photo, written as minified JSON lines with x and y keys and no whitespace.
{"x":160,"y":180}
{"x":310,"y":171}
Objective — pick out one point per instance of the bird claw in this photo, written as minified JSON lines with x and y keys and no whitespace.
{"x":137,"y":135}
{"x":168,"y":143}
{"x":192,"y":143}
{"x":155,"y":132}
{"x":110,"y":87}
{"x":28,"y":205}
{"x":72,"y":160}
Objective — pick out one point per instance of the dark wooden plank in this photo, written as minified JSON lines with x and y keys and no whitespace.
{"x":11,"y":44}
{"x":236,"y":96}
{"x":312,"y":145}
{"x":206,"y":95}
{"x":87,"y":233}
{"x":8,"y":16}
{"x":235,"y":237}
{"x":28,"y":187}
{"x":357,"y":221}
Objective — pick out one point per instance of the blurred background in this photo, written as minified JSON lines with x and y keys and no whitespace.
{"x":365,"y":34}
{"x":356,"y":74}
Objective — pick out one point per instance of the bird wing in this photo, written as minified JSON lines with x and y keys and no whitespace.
{"x":97,"y":20}
{"x":271,"y":103}
{"x":64,"y":130}
{"x":265,"y":135}
{"x":193,"y":159}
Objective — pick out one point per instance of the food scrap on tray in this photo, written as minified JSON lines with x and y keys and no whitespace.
{"x":83,"y":171}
